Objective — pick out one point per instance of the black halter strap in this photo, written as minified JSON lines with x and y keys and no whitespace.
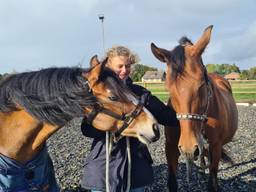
{"x":199,"y":117}
{"x":127,"y":119}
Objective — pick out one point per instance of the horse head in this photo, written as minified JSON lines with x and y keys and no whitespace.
{"x":36,"y":104}
{"x":187,"y":83}
{"x":119,"y":110}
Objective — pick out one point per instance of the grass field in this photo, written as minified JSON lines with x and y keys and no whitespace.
{"x":243,"y":91}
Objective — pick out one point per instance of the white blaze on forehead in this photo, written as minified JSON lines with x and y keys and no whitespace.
{"x":108,"y":91}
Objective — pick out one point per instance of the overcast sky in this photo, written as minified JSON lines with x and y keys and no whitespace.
{"x":36,"y":34}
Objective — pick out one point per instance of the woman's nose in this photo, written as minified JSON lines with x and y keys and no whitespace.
{"x":123,"y":70}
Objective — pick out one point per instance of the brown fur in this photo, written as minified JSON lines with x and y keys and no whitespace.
{"x":22,"y":135}
{"x":189,"y":95}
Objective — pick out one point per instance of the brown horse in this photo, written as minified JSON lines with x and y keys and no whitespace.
{"x":205,"y":108}
{"x":34,"y":105}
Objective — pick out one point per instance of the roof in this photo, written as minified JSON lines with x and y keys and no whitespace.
{"x":232,"y":75}
{"x":153,"y":75}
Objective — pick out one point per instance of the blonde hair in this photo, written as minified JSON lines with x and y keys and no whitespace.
{"x":120,"y":50}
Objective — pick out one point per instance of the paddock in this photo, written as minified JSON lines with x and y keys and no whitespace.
{"x":68,"y":148}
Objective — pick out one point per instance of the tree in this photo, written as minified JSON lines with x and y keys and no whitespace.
{"x":252,"y":73}
{"x":139,"y":70}
{"x":248,"y":74}
{"x":211,"y":68}
{"x":2,"y":76}
{"x":222,"y":69}
{"x":244,"y":74}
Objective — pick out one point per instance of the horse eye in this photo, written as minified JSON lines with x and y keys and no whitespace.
{"x":113,"y":98}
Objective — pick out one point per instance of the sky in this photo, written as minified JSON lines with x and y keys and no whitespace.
{"x":36,"y":34}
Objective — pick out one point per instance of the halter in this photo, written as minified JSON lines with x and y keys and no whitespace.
{"x":127,"y":118}
{"x":194,"y":116}
{"x":200,"y":117}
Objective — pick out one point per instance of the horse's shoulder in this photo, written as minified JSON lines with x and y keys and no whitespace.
{"x":220,"y":82}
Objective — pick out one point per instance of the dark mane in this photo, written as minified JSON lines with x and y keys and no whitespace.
{"x":55,"y":95}
{"x":185,"y":41}
{"x":47,"y":94}
{"x":178,"y":57}
{"x":114,"y":84}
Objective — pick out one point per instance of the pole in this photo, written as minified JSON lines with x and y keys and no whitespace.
{"x":101,"y":17}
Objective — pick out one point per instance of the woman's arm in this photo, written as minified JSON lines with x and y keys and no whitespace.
{"x":164,"y":114}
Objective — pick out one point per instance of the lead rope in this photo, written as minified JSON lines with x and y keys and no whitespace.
{"x":128,"y":148}
{"x":108,"y":150}
{"x":107,"y":160}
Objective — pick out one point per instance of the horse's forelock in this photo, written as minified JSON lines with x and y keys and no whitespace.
{"x":116,"y":86}
{"x":177,"y":57}
{"x":185,"y":41}
{"x":178,"y":60}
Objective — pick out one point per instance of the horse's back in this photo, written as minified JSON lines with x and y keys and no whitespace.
{"x":227,"y":109}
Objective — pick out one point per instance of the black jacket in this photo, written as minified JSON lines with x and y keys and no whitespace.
{"x":141,"y":170}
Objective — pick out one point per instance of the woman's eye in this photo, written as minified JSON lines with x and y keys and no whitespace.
{"x":113,"y":98}
{"x":128,"y":66}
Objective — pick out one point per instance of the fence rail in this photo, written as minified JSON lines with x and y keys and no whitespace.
{"x":243,"y":90}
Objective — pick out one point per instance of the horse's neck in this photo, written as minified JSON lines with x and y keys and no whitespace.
{"x":221,"y":94}
{"x":22,"y":136}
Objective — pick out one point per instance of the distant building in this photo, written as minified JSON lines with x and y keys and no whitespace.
{"x":232,"y":76}
{"x":153,"y":76}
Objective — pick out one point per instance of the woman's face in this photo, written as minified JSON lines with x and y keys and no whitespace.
{"x":120,"y":65}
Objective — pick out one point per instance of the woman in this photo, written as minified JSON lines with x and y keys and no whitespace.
{"x":120,"y":59}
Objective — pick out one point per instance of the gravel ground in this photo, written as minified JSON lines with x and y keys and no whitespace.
{"x":68,"y":148}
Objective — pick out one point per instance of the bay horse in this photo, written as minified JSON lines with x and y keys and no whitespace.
{"x":34,"y":105}
{"x":205,"y":108}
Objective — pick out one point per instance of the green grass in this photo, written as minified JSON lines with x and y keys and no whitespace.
{"x":238,"y":97}
{"x":244,"y":89}
{"x":242,"y":82}
{"x":249,"y":89}
{"x":244,"y":97}
{"x":163,"y":97}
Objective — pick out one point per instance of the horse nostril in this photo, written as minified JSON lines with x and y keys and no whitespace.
{"x":156,"y":131}
{"x":196,"y":152}
{"x":155,"y":126}
{"x":180,"y":148}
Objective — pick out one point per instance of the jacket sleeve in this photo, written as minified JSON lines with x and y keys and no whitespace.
{"x":89,"y":131}
{"x":164,"y":114}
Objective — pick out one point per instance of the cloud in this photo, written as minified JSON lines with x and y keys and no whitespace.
{"x":36,"y":34}
{"x":238,"y":48}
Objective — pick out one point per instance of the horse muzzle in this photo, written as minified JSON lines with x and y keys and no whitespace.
{"x":151,"y":136}
{"x":191,"y":154}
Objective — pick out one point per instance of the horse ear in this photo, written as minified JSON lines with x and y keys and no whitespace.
{"x":160,"y":54}
{"x":94,"y":61}
{"x":93,"y":75}
{"x":201,"y":44}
